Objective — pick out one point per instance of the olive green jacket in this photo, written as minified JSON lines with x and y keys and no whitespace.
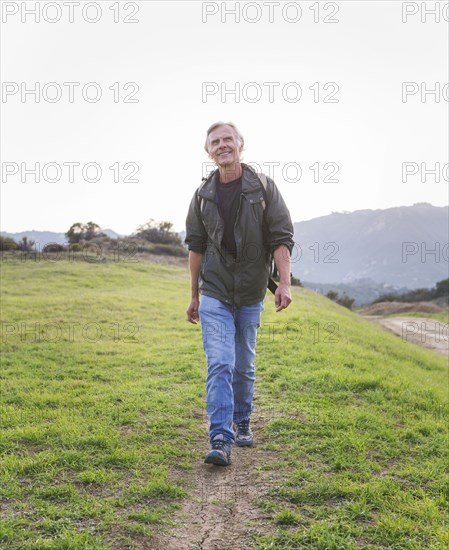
{"x":258,"y":232}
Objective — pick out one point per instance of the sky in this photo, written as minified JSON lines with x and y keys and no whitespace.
{"x":334,"y":100}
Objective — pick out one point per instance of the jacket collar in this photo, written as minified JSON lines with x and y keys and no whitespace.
{"x":250,"y":182}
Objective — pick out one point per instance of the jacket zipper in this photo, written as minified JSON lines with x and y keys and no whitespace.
{"x":237,"y":243}
{"x":235,"y":227}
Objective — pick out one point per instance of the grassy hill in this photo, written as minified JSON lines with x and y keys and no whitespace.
{"x":102,"y":389}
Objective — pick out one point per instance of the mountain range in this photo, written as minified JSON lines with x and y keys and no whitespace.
{"x":405,"y":246}
{"x":41,"y":238}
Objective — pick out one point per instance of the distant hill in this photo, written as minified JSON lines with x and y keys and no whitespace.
{"x":362,"y":253}
{"x":364,"y":291}
{"x":345,"y":248}
{"x":44,"y":237}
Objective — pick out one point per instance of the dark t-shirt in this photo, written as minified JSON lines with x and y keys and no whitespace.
{"x":228,"y":196}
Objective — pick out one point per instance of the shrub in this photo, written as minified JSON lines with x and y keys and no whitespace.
{"x":83,"y":231}
{"x":25,"y":244}
{"x":417,"y":295}
{"x":332,"y":295}
{"x":6,"y":243}
{"x":295,"y":281}
{"x":52,"y":248}
{"x":442,"y":288}
{"x":344,"y":300}
{"x":169,"y":250}
{"x":158,"y":233}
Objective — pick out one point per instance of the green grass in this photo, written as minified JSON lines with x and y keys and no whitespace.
{"x":102,"y":394}
{"x":366,"y":442}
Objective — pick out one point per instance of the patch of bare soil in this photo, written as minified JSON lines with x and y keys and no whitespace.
{"x":222,"y":511}
{"x":429,"y":333}
{"x":390,"y":308}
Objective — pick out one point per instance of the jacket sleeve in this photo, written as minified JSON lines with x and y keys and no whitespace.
{"x":196,"y":236}
{"x":279,"y":223}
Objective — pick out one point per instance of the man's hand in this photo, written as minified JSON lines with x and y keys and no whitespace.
{"x":282,"y":297}
{"x":192,"y":311}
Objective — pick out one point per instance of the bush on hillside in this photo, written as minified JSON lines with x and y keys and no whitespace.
{"x":344,"y":300}
{"x":295,"y":282}
{"x":442,"y":288}
{"x":129,"y":246}
{"x":26,"y":244}
{"x":169,"y":250}
{"x":83,"y":232}
{"x":6,"y":243}
{"x":50,"y":248}
{"x":158,"y":233}
{"x":417,"y":295}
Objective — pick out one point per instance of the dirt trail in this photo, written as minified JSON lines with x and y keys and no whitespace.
{"x":422,"y":331}
{"x":222,"y":512}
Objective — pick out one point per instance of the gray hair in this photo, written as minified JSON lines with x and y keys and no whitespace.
{"x":238,"y":135}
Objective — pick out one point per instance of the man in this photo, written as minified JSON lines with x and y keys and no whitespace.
{"x":233,"y":227}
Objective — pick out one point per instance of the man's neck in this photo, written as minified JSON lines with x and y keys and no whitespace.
{"x":230,"y":173}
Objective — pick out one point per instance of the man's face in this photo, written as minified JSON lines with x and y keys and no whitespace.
{"x":223,"y":146}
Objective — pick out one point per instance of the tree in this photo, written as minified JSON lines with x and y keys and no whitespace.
{"x":442,"y":288}
{"x":25,"y":244}
{"x":74,"y":233}
{"x":295,"y":281}
{"x":418,"y":294}
{"x":82,"y":232}
{"x":344,"y":300}
{"x":158,"y":232}
{"x":6,"y":243}
{"x":91,"y":229}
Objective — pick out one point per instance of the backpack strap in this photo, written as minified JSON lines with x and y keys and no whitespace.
{"x":263,"y":180}
{"x":199,"y":198}
{"x":272,"y":286}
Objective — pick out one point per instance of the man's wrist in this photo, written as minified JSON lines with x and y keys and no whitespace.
{"x":285,"y":278}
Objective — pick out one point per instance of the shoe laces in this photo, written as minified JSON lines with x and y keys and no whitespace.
{"x":220,"y":444}
{"x":243,"y":427}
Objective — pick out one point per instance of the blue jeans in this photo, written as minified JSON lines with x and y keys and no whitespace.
{"x":229,"y":341}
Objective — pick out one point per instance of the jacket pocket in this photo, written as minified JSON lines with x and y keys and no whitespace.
{"x":254,"y":210}
{"x":251,"y":229}
{"x":212,"y":222}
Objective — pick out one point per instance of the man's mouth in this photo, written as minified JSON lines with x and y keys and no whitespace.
{"x":224,"y":153}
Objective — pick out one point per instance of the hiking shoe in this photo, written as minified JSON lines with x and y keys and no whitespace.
{"x":220,"y":453}
{"x":244,"y":435}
